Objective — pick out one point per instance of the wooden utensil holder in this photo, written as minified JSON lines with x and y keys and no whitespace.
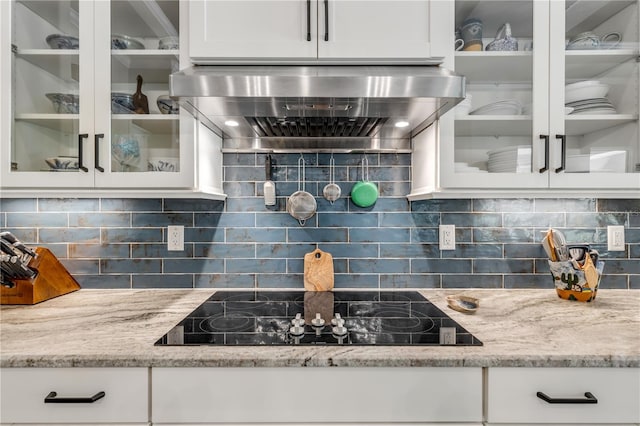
{"x":52,"y":280}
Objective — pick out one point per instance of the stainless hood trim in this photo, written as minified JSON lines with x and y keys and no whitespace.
{"x":302,"y":97}
{"x":435,"y":60}
{"x":312,"y":145}
{"x":265,"y":82}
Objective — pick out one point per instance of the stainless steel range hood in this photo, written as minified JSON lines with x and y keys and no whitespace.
{"x":317,"y":107}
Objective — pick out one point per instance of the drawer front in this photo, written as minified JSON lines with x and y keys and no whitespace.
{"x":512,"y":395}
{"x":126,"y":395}
{"x":301,"y":395}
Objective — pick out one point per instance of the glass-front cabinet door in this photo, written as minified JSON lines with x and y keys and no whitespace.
{"x":47,"y":92}
{"x":494,"y":129}
{"x":88,"y":106}
{"x":594,"y":93}
{"x":552,"y":96}
{"x":134,"y":57}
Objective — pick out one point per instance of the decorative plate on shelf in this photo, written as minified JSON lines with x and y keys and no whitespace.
{"x":64,"y":163}
{"x":60,"y":41}
{"x":122,"y":42}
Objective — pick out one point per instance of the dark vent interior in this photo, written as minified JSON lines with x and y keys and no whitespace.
{"x":316,"y":126}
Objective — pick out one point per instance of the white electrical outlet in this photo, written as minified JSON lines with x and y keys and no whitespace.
{"x":447,"y":237}
{"x":175,"y":238}
{"x":615,"y":238}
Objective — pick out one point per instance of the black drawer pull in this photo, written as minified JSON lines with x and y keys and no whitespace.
{"x":326,"y":20}
{"x":588,"y":399}
{"x":51,"y":398}
{"x":308,"y":20}
{"x":563,"y":148}
{"x":546,"y":153}
{"x":96,"y":148}
{"x":80,"y":151}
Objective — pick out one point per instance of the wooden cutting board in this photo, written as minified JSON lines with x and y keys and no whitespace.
{"x":318,"y":271}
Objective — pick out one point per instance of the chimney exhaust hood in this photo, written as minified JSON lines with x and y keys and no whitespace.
{"x":321,"y":107}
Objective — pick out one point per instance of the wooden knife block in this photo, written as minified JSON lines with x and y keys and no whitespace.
{"x":52,"y":280}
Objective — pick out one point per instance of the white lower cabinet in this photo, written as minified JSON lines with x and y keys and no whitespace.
{"x":513,"y":396}
{"x":303,"y":395}
{"x":82,"y":396}
{"x":316,"y":395}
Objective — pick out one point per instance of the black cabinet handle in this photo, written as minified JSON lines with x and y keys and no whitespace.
{"x":588,"y":399}
{"x":564,"y":152}
{"x":80,"y":156}
{"x":96,"y":145}
{"x":546,"y":153}
{"x":52,"y":398}
{"x":308,"y":20}
{"x":326,"y":20}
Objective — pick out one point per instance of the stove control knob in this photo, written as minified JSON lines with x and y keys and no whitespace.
{"x":317,"y":321}
{"x":334,"y":321}
{"x":297,"y":331}
{"x":339,"y":330}
{"x":298,"y":321}
{"x":318,"y":324}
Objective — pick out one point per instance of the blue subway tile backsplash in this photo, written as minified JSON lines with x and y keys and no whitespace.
{"x":241,"y":243}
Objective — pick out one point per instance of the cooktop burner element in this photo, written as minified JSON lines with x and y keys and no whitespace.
{"x":248,"y":318}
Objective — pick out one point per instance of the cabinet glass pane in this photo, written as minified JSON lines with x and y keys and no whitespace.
{"x":493,"y":126}
{"x":45,"y":76}
{"x":601,"y":86}
{"x":144,"y":52}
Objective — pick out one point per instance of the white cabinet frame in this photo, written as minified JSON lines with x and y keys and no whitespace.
{"x":302,"y":31}
{"x":546,"y":67}
{"x":94,"y":118}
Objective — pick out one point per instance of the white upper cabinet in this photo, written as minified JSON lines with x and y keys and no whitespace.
{"x":549,"y":106}
{"x":373,"y":29}
{"x":70,"y":71}
{"x":311,"y":30}
{"x":250,"y":29}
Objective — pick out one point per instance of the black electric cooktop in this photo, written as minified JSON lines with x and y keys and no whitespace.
{"x":250,"y":318}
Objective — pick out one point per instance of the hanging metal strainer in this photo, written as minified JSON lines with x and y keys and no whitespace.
{"x":331,"y":190}
{"x":301,"y":204}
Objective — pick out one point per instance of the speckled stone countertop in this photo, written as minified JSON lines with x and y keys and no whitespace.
{"x":519,"y":328}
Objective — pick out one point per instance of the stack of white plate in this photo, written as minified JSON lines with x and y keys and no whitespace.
{"x":466,"y":168}
{"x":592,"y":106}
{"x":506,"y":107}
{"x":527,"y":109}
{"x":515,"y":159}
{"x":586,"y":89}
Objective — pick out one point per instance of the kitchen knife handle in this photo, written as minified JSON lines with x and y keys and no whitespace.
{"x":588,"y":399}
{"x":81,"y":136}
{"x":267,"y":167}
{"x":52,"y":398}
{"x":326,"y":20}
{"x":563,"y":148}
{"x":308,"y":20}
{"x":546,"y":153}
{"x":96,"y":145}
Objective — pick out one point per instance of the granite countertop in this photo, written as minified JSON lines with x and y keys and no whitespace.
{"x":519,"y":328}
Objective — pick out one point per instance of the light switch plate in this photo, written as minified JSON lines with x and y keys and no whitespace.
{"x":615,"y":238}
{"x":447,"y":237}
